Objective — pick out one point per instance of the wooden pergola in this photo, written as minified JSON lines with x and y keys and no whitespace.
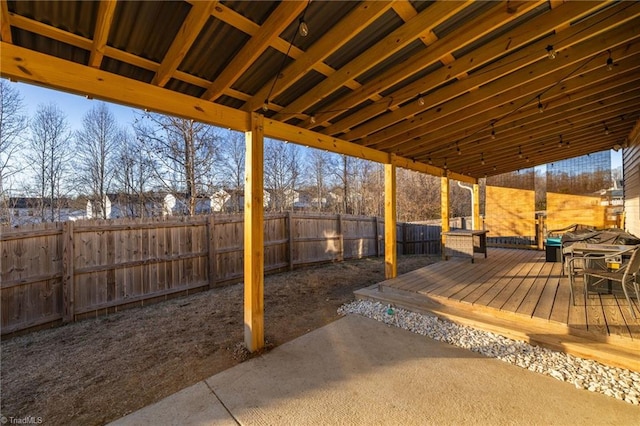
{"x":457,"y":89}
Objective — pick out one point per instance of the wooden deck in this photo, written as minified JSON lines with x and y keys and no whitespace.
{"x":516,"y":293}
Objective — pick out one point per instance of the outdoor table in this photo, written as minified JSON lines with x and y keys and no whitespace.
{"x":585,"y":249}
{"x":464,"y":243}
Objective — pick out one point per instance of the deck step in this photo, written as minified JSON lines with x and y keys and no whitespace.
{"x":614,"y":351}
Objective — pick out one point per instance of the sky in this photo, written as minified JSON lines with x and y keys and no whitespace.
{"x":75,"y":106}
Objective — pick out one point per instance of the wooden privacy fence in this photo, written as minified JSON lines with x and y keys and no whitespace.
{"x":61,"y":272}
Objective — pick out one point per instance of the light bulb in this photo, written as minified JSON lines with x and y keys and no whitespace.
{"x":421,"y":101}
{"x":540,"y":107}
{"x":551,"y":52}
{"x":609,"y":64}
{"x":303,"y":29}
{"x":265,"y":106}
{"x":312,"y":119}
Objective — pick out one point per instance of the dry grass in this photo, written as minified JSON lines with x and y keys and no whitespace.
{"x":95,"y":371}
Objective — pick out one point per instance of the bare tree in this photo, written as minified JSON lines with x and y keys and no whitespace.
{"x":319,"y":167}
{"x":233,"y":164}
{"x":96,"y":145}
{"x":50,"y":153}
{"x":418,"y":196}
{"x":13,"y":124}
{"x":134,"y":174}
{"x":282,"y":173}
{"x":185,"y":153}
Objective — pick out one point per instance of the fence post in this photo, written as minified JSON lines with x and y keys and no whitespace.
{"x":289,"y":229}
{"x":377,"y":235}
{"x":341,"y":236}
{"x":211,"y":251}
{"x":68,"y":284}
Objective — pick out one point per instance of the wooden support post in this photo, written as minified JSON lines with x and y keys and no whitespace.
{"x":290,"y":235}
{"x":68,"y":284}
{"x":476,"y":207}
{"x":211,"y":252}
{"x":390,"y":254}
{"x":254,"y":236}
{"x":444,"y":210}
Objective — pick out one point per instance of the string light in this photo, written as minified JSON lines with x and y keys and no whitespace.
{"x":609,"y":62}
{"x":540,"y":107}
{"x":421,"y":101}
{"x":493,"y":132}
{"x":312,"y":119}
{"x":606,"y":129}
{"x":445,"y":163}
{"x":265,"y":105}
{"x":551,"y":52}
{"x":560,"y":142}
{"x":520,"y":152}
{"x":303,"y":28}
{"x":482,"y":158}
{"x":458,"y":149}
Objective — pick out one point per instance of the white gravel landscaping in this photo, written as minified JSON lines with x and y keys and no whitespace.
{"x":586,"y":374}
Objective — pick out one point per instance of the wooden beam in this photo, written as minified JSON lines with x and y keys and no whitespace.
{"x":194,"y":22}
{"x":277,"y":22}
{"x":288,"y":132}
{"x":26,"y":65}
{"x":5,"y":23}
{"x":254,"y":236}
{"x":390,"y":246}
{"x":101,"y":32}
{"x":422,"y":23}
{"x":335,"y":38}
{"x":444,"y":209}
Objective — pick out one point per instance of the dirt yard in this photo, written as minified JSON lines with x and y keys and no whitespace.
{"x":95,"y":371}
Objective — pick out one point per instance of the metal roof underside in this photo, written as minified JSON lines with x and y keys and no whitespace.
{"x":456,"y":85}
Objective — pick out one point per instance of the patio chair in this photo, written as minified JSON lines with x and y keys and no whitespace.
{"x":627,"y":274}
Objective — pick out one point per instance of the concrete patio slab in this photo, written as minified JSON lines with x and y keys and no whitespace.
{"x":359,"y":371}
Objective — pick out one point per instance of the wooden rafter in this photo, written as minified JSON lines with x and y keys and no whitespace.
{"x":194,"y":22}
{"x":379,"y":115}
{"x":438,"y":51}
{"x":320,"y":50}
{"x":410,"y":31}
{"x":280,"y":19}
{"x":521,"y":36}
{"x":518,"y":87}
{"x":526,"y":119}
{"x":101,"y":33}
{"x":5,"y":23}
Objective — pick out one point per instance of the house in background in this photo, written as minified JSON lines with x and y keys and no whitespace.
{"x":29,"y":210}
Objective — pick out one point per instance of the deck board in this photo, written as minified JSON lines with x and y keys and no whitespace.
{"x":520,"y":285}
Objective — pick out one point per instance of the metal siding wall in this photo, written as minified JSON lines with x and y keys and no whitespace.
{"x":631,"y":167}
